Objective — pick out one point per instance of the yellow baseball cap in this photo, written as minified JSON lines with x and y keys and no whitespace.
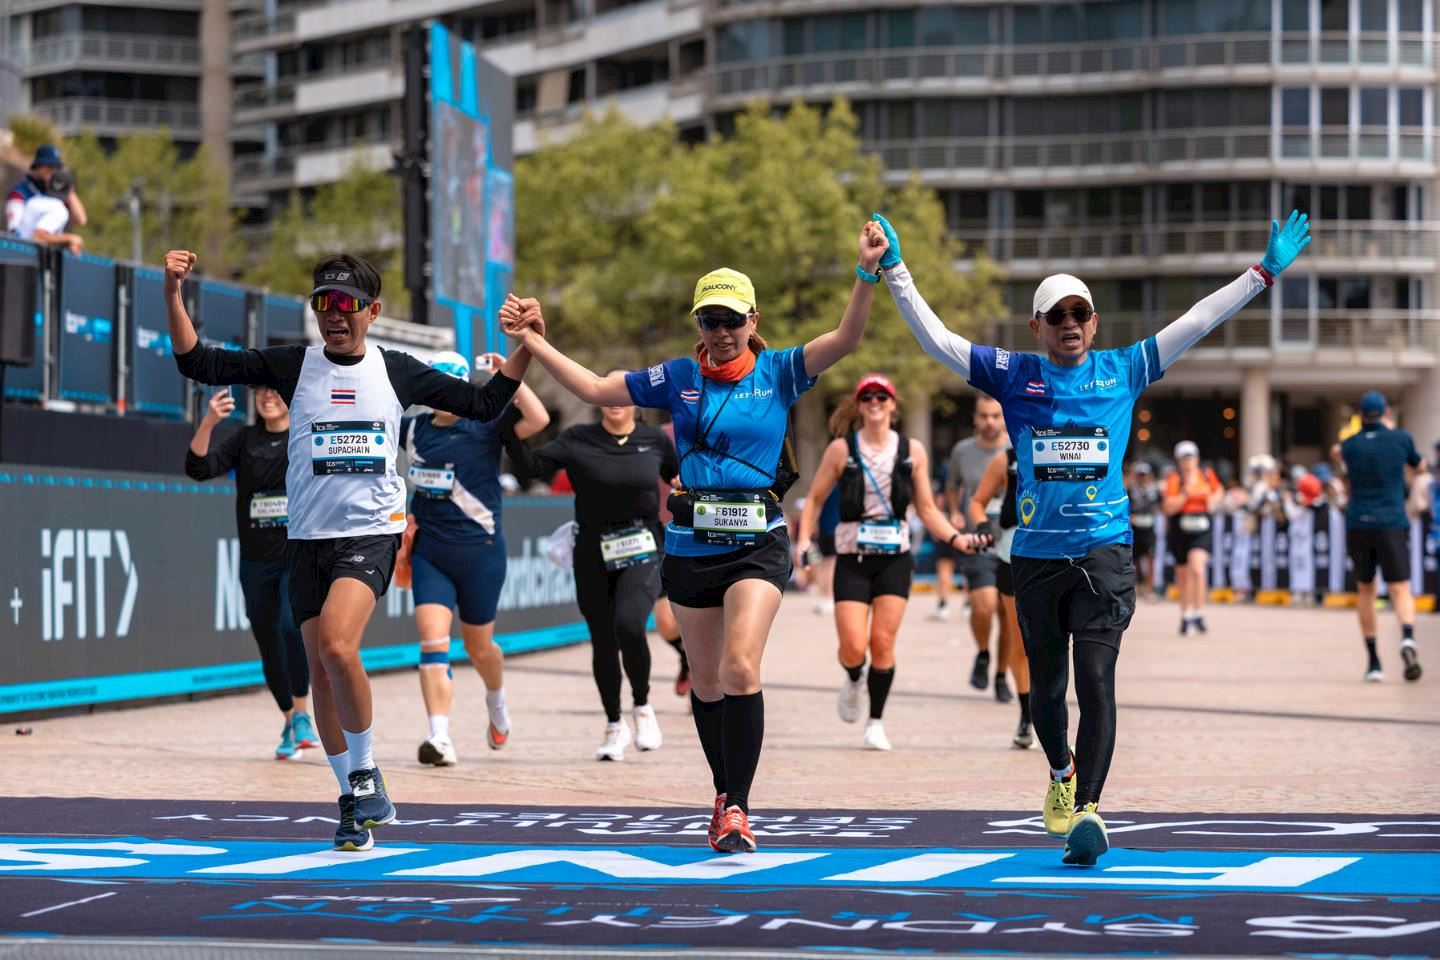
{"x":725,"y":288}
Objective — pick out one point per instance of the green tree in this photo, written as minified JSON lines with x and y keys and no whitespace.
{"x":29,"y":131}
{"x":360,"y":213}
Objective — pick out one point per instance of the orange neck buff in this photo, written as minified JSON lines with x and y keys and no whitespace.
{"x":731,"y":371}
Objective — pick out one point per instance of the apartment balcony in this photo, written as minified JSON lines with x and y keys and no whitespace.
{"x":115,"y":118}
{"x":1101,"y":158}
{"x":1336,"y":247}
{"x":320,"y":92}
{"x":262,"y":32}
{"x":1077,"y":67}
{"x":310,"y":165}
{"x":1327,"y":339}
{"x":32,"y":6}
{"x":111,"y":51}
{"x":681,"y":101}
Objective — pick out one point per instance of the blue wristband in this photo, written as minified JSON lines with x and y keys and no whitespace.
{"x":866,"y":276}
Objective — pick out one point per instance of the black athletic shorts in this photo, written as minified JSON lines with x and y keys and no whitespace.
{"x":702,"y":581}
{"x":315,"y":564}
{"x":943,"y":551}
{"x":1145,"y":541}
{"x":1094,"y":595}
{"x":1389,"y":550}
{"x":979,"y":568}
{"x":864,"y":577}
{"x":826,"y":543}
{"x":1179,"y":542}
{"x":1005,"y":579}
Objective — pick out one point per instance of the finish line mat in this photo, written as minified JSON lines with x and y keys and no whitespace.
{"x":913,"y":882}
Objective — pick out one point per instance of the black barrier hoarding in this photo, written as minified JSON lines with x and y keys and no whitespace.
{"x":155,"y":383}
{"x":282,"y":319}
{"x":27,"y":382}
{"x":86,"y":344}
{"x":121,"y":587}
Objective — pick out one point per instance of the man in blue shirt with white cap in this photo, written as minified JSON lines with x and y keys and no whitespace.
{"x":1380,"y":463}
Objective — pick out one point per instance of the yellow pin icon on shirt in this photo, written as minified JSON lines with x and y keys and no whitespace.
{"x":1027,"y":510}
{"x":1090,"y":492}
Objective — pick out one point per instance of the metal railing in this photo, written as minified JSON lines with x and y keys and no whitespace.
{"x":1364,"y":143}
{"x":282,"y":163}
{"x":281,"y":94}
{"x":1354,"y":332}
{"x":1130,"y":62}
{"x":74,"y":113}
{"x":118,"y":48}
{"x":1357,"y":241}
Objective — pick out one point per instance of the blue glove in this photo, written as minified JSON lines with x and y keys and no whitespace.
{"x":892,"y":256}
{"x":1285,"y":242}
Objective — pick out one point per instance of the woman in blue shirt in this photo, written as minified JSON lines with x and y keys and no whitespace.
{"x":727,"y":554}
{"x":457,"y":555}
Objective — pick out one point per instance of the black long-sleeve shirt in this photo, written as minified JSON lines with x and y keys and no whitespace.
{"x":259,"y":459}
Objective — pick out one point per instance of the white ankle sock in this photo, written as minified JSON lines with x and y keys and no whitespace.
{"x":495,"y":699}
{"x":439,"y":727}
{"x":359,"y":752}
{"x":340,"y":763}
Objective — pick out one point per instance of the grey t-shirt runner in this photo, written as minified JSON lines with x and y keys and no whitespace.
{"x":968,"y":460}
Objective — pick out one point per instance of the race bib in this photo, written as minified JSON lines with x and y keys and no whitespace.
{"x":628,"y":548}
{"x":1070,"y":453}
{"x":433,"y":482}
{"x":878,"y":536}
{"x":1142,"y":521}
{"x":269,"y":510}
{"x":348,"y":446}
{"x":728,"y":520}
{"x":1194,"y":522}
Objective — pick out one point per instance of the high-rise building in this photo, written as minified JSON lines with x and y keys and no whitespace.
{"x":118,"y":68}
{"x":1141,"y":144}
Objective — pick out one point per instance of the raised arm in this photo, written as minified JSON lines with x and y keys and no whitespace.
{"x":1285,"y":245}
{"x":533,"y":415}
{"x":826,"y":350}
{"x":204,"y":459}
{"x":178,"y":264}
{"x":415,"y":382}
{"x":277,"y":367}
{"x":949,"y":348}
{"x":523,"y":320}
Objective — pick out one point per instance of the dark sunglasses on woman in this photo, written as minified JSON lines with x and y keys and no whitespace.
{"x":729,"y":319}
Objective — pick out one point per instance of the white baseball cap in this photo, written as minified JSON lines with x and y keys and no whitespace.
{"x":1186,"y":448}
{"x":1057,"y":287}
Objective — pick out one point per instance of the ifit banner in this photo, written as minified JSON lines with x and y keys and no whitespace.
{"x":120,"y":587}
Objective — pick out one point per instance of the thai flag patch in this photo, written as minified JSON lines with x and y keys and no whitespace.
{"x":690,"y":396}
{"x":1034,"y":387}
{"x":344,"y":396}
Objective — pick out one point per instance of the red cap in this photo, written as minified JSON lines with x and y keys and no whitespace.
{"x":1309,"y":488}
{"x":874,"y":380}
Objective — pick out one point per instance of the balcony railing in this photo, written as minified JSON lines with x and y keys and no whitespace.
{"x":114,"y":48}
{"x":1089,"y":65}
{"x":1400,"y":243}
{"x":1353,"y":332}
{"x":76,"y":113}
{"x":282,"y":164}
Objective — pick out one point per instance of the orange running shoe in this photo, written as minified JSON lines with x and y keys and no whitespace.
{"x":715,"y":818}
{"x":735,"y":835}
{"x":496,"y":737}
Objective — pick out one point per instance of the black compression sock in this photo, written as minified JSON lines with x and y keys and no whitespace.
{"x":1370,"y":649}
{"x":879,"y":682}
{"x":1025,"y":707}
{"x":1407,"y":632}
{"x":744,"y":733}
{"x":709,"y":723}
{"x":854,"y":672}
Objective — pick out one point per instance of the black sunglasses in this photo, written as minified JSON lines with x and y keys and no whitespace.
{"x":869,"y":397}
{"x":729,"y":319}
{"x":1056,"y":315}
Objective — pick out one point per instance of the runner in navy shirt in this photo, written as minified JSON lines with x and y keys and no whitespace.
{"x":457,"y":550}
{"x":1380,"y":462}
{"x":727,"y":555}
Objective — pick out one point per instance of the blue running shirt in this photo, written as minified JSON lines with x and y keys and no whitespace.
{"x":751,"y":426}
{"x":1070,"y":427}
{"x":456,"y":474}
{"x":1375,"y":462}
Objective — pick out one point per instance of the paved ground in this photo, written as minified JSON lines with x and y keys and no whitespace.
{"x":1266,"y":713}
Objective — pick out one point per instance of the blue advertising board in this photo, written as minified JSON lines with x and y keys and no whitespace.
{"x":86,"y":318}
{"x":27,"y":382}
{"x":155,"y":384}
{"x":282,"y":318}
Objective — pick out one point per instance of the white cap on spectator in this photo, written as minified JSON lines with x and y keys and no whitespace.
{"x":1057,"y":287}
{"x":1186,"y":448}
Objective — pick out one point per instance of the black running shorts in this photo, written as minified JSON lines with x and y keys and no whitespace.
{"x":1144,"y":541}
{"x":1094,"y":595}
{"x":863,"y":578}
{"x":1389,"y":550}
{"x":1179,"y":542}
{"x":1005,"y":579}
{"x":315,"y":564}
{"x":702,"y":581}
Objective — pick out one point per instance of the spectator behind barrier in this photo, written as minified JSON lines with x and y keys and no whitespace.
{"x":45,"y":217}
{"x":46,"y":164}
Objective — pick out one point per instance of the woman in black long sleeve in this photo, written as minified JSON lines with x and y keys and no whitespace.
{"x":258,"y":455}
{"x":612,"y":465}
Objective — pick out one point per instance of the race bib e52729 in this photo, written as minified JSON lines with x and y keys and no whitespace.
{"x":348,"y":446}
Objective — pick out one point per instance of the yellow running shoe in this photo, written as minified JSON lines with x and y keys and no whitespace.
{"x":1085,"y":841}
{"x":1059,"y":805}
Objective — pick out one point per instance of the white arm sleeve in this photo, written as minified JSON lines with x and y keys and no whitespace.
{"x":1205,"y":316}
{"x":949,"y":348}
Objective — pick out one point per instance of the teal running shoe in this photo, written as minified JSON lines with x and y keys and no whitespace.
{"x":304,"y":732}
{"x":287,"y":749}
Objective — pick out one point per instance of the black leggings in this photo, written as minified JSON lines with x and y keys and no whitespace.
{"x":282,"y":651}
{"x":1095,"y":656}
{"x":616,"y":606}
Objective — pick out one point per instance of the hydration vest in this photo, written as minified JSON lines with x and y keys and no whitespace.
{"x":853,"y":481}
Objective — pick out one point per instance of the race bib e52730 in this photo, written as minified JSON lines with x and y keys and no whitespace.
{"x":1070,"y":453}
